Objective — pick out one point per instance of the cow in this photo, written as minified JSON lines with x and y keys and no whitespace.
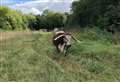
{"x":62,"y":41}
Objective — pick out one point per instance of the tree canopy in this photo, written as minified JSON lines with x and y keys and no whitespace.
{"x":15,"y":20}
{"x":11,"y":20}
{"x":105,"y":14}
{"x":50,"y":20}
{"x":102,"y":13}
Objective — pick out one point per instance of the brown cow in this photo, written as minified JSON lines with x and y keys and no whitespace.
{"x":62,"y":41}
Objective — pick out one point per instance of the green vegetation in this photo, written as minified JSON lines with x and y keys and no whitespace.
{"x":31,"y":57}
{"x":11,"y":20}
{"x":15,"y":20}
{"x":102,"y":13}
{"x":50,"y":20}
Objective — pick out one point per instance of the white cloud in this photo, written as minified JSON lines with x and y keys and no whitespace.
{"x":69,"y":1}
{"x":41,"y":1}
{"x":45,"y":8}
{"x":38,"y":6}
{"x":35,"y":11}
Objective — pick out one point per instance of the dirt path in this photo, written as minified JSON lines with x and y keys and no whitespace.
{"x":8,"y":35}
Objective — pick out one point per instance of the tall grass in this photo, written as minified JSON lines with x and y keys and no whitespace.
{"x":32,"y":58}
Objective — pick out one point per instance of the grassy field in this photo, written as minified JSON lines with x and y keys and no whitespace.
{"x":31,"y":57}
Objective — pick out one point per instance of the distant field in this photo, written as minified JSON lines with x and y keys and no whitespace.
{"x":31,"y":57}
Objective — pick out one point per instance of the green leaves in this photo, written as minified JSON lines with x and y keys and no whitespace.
{"x":102,"y":13}
{"x":11,"y":20}
{"x":50,"y":20}
{"x":15,"y":20}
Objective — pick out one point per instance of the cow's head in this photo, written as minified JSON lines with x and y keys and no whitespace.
{"x":67,"y":39}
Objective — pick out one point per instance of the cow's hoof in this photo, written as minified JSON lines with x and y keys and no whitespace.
{"x":65,"y":55}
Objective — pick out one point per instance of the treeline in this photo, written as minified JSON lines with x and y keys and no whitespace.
{"x":11,"y":20}
{"x":50,"y":20}
{"x":16,"y":20}
{"x":103,"y":14}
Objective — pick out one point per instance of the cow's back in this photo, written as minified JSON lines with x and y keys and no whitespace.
{"x":58,"y":38}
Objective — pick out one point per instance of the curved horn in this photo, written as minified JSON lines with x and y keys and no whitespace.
{"x":75,"y":39}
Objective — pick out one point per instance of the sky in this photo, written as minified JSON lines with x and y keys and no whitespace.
{"x":38,"y":6}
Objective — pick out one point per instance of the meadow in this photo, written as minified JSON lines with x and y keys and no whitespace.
{"x":31,"y":57}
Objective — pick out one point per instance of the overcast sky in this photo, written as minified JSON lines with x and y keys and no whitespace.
{"x":37,"y":6}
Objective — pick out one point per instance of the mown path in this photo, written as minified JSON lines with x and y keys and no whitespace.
{"x":8,"y":35}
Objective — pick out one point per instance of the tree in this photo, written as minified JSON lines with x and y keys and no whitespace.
{"x":103,"y":13}
{"x":50,"y":20}
{"x":11,"y":19}
{"x":31,"y":21}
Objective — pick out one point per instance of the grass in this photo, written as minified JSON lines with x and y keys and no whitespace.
{"x":32,"y":58}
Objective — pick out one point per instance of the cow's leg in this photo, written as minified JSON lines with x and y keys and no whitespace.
{"x":57,"y":48}
{"x":62,"y":47}
{"x":66,"y":49}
